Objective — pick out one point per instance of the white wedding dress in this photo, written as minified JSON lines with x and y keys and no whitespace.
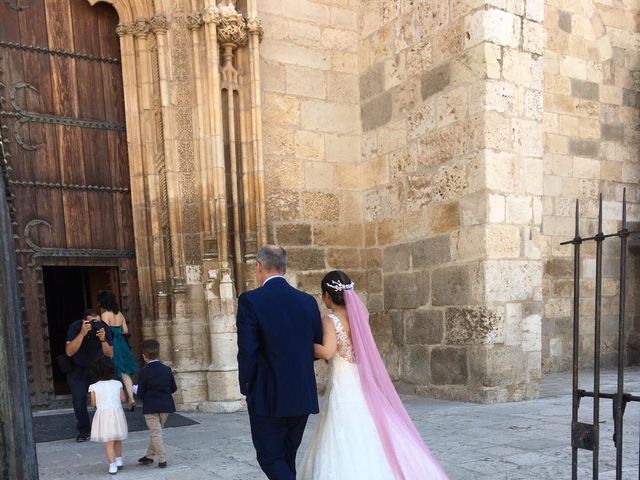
{"x":345,"y":443}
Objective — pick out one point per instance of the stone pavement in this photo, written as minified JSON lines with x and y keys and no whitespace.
{"x":525,"y":440}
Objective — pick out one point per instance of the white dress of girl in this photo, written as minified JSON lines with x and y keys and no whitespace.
{"x":109,"y":422}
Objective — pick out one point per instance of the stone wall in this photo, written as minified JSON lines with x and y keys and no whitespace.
{"x":451,"y":169}
{"x":591,"y":146}
{"x":311,"y":121}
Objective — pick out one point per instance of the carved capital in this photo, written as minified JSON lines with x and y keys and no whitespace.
{"x":124,"y":29}
{"x":232,"y":27}
{"x":141,"y":27}
{"x":211,"y":14}
{"x":194,"y":21}
{"x":254,"y":25}
{"x":159,"y":24}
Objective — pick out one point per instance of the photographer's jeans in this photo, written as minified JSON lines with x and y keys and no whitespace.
{"x":78,"y":380}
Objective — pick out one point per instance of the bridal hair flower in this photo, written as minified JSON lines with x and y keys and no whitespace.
{"x":338,"y":286}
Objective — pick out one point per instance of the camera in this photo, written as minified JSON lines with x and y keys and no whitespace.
{"x":95,"y":326}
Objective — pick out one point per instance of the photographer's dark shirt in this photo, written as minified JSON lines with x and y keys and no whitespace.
{"x":90,"y":349}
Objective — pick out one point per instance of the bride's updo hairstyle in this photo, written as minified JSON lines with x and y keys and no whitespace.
{"x":336,"y":277}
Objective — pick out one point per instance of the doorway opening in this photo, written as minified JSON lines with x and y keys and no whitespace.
{"x":69,"y":290}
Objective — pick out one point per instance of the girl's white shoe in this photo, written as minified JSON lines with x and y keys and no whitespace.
{"x":113,"y":468}
{"x":119,"y":463}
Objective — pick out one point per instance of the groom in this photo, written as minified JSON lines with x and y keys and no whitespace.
{"x":277,"y":327}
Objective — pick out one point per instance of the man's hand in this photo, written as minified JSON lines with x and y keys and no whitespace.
{"x":101,"y":334}
{"x":86,"y":328}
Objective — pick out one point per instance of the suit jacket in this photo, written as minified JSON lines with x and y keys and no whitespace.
{"x":277,"y":327}
{"x":155,"y":386}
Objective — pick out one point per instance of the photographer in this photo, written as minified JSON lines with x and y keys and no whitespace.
{"x":87,"y":340}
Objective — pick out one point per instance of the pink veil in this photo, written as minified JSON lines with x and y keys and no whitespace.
{"x":408,"y":455}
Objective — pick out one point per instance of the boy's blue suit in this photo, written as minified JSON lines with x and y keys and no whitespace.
{"x":277,"y":327}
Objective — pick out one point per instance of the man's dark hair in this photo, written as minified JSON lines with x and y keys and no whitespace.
{"x":273,"y":258}
{"x":151,"y":349}
{"x":90,"y":312}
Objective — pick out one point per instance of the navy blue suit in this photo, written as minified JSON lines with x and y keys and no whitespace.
{"x":277,"y":327}
{"x":155,"y":386}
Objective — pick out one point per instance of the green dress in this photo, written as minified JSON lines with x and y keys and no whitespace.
{"x":122,"y":358}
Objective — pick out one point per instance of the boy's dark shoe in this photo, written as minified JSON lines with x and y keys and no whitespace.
{"x":145,"y":460}
{"x":82,"y":437}
{"x":162,"y":464}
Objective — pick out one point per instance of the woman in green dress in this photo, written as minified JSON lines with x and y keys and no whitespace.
{"x":123,"y":360}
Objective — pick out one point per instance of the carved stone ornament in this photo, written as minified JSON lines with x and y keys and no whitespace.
{"x":232,"y":27}
{"x":194,"y":21}
{"x":254,"y":25}
{"x":159,"y":24}
{"x":124,"y":29}
{"x":211,"y":14}
{"x":141,"y":27}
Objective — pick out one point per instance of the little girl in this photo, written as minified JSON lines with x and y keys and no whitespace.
{"x":109,"y":423}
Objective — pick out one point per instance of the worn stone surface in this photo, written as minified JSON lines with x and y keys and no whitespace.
{"x":406,"y":290}
{"x":472,"y":325}
{"x":449,"y":366}
{"x":453,"y":285}
{"x":423,"y":327}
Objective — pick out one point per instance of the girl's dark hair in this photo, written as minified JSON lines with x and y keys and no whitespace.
{"x":103,"y":369}
{"x":337,"y":296}
{"x":107,"y":300}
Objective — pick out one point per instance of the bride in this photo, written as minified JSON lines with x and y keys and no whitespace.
{"x":363,"y":431}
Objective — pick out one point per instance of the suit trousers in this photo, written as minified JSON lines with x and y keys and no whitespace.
{"x":155,"y":423}
{"x":276,"y":441}
{"x":78,"y":380}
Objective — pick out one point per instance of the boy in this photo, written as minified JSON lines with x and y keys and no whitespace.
{"x":155,"y":386}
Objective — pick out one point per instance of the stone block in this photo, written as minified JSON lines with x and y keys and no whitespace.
{"x":564,"y":21}
{"x":423,"y":327}
{"x":435,"y":80}
{"x":519,"y":210}
{"x":416,"y":366}
{"x":421,"y":120}
{"x":452,"y":106}
{"x":344,"y":258}
{"x":406,"y":290}
{"x":294,"y":234}
{"x":586,"y":90}
{"x":338,"y":39}
{"x":396,"y":258}
{"x":374,"y":281}
{"x":443,"y":218}
{"x":533,"y":37}
{"x":511,"y":281}
{"x":372,"y":82}
{"x":302,"y":259}
{"x":558,"y":267}
{"x":320,"y":206}
{"x":377,"y":112}
{"x":453,"y":285}
{"x":497,"y":366}
{"x":310,"y":282}
{"x":493,"y":25}
{"x":449,"y":366}
{"x":284,"y":52}
{"x":419,"y":58}
{"x":280,"y":109}
{"x":306,"y":82}
{"x":342,"y":87}
{"x":319,"y":176}
{"x":502,"y":241}
{"x":309,"y":145}
{"x":396,"y":319}
{"x":329,"y":117}
{"x":342,"y":148}
{"x":612,"y":132}
{"x":339,"y":235}
{"x":273,"y":77}
{"x":431,"y":252}
{"x":584,"y":148}
{"x":473,"y":325}
{"x":283,"y":205}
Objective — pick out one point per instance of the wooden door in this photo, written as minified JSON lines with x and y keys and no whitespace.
{"x":63,"y":109}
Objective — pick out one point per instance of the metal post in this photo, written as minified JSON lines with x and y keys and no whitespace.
{"x":576,"y":339}
{"x":619,"y":400}
{"x":17,"y":447}
{"x":596,"y":352}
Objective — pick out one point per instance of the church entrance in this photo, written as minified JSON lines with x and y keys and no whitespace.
{"x":62,"y":118}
